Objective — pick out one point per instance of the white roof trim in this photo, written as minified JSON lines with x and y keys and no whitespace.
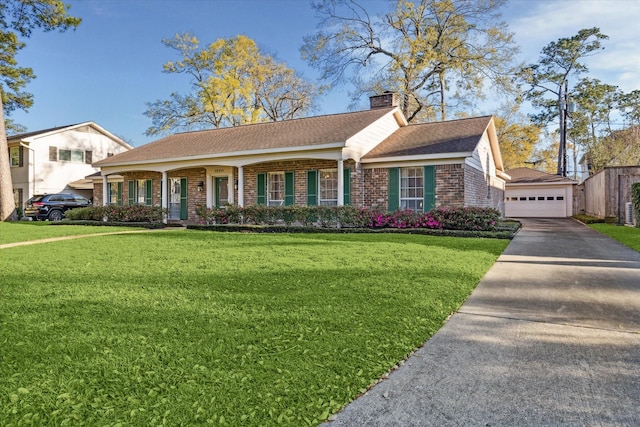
{"x":418,"y":157}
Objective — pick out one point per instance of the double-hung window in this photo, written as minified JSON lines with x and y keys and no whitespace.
{"x":275,"y":185}
{"x":115,"y":193}
{"x":141,"y":192}
{"x":411,"y":189}
{"x":76,"y":156}
{"x":328,"y":180}
{"x":15,"y":157}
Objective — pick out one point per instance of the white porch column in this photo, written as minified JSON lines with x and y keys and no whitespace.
{"x":209,"y":182}
{"x":340,"y":183}
{"x":164,"y":197}
{"x":105,"y":191}
{"x":241,"y":186}
{"x":230,"y":187}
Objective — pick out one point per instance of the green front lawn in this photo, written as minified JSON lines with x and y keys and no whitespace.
{"x":22,"y":231}
{"x":191,"y":327}
{"x":626,"y":235}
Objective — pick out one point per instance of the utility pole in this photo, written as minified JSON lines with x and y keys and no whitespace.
{"x":563,"y":99}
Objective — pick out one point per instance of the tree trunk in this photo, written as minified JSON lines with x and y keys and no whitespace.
{"x":443,"y":105}
{"x":7,"y":202}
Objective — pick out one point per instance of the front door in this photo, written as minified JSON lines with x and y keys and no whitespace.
{"x":222,"y":191}
{"x":177,"y":198}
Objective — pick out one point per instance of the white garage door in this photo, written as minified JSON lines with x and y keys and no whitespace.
{"x":536,"y":202}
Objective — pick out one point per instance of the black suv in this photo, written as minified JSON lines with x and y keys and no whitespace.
{"x":53,"y":206}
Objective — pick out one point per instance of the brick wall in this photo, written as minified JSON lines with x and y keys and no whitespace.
{"x":299,"y":168}
{"x":483,"y":190}
{"x":450,"y":185}
{"x":375,"y":187}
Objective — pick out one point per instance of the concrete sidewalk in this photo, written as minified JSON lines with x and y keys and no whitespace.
{"x":550,"y":337}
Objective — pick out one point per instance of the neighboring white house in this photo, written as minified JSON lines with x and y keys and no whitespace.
{"x":58,"y":159}
{"x":532,"y":193}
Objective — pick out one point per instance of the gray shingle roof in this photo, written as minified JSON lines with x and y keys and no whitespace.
{"x":20,"y":136}
{"x":305,"y":132}
{"x":532,"y":176}
{"x":452,"y":136}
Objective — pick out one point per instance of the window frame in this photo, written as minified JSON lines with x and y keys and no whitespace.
{"x":322,"y":187}
{"x":275,"y":187}
{"x":411,"y":197}
{"x":15,"y":154}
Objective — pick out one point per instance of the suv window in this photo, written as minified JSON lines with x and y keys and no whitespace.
{"x":55,"y":198}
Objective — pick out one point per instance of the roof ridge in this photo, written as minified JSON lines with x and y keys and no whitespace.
{"x":283,"y":121}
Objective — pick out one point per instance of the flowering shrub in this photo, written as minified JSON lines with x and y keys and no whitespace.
{"x":447,"y":218}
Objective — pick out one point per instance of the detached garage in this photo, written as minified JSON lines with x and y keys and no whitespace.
{"x":532,"y":193}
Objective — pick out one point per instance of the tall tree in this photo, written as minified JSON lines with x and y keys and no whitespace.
{"x":436,"y":53}
{"x":18,"y":18}
{"x":233,"y":83}
{"x":547,"y":80}
{"x":592,"y":119}
{"x":518,"y":137}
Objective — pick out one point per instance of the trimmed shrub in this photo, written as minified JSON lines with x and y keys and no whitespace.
{"x":129,"y":213}
{"x":467,"y":218}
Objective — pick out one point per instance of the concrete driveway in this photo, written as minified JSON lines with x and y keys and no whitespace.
{"x":550,"y":337}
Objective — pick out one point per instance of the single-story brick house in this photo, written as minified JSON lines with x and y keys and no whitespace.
{"x":370,"y":158}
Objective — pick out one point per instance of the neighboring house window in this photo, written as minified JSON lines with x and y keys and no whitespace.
{"x":15,"y":157}
{"x":328,"y":180}
{"x":115,"y":193}
{"x":275,"y":186}
{"x":67,"y":155}
{"x":75,"y":156}
{"x":275,"y":189}
{"x":412,"y":188}
{"x":141,"y":192}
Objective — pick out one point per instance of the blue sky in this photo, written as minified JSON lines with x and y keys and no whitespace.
{"x":107,"y":69}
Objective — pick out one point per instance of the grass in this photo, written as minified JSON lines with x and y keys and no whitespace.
{"x":21,"y":231}
{"x":626,"y":235}
{"x":194,"y":328}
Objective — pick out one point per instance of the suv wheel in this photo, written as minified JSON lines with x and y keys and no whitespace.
{"x":55,"y":215}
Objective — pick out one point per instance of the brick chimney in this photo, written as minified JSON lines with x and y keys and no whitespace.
{"x":387,"y":99}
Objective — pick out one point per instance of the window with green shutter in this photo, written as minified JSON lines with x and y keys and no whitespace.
{"x":429,"y":188}
{"x":347,"y":186}
{"x":183,"y":199}
{"x":312,"y":188}
{"x":132,"y":192}
{"x":289,"y":189}
{"x":394,"y":189}
{"x":148,"y":189}
{"x":261,"y":190}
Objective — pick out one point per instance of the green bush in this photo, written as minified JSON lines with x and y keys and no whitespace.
{"x":467,"y":218}
{"x":129,"y":213}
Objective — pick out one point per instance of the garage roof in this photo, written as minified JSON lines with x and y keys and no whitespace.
{"x":532,"y":176}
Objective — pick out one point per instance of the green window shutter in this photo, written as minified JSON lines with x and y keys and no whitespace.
{"x":429,"y":188}
{"x":347,"y":186}
{"x":261,"y":191}
{"x":183,"y":199}
{"x":312,"y":188}
{"x":119,"y":195}
{"x":289,"y":189}
{"x":394,"y":189}
{"x":148,"y":189}
{"x":132,"y":196}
